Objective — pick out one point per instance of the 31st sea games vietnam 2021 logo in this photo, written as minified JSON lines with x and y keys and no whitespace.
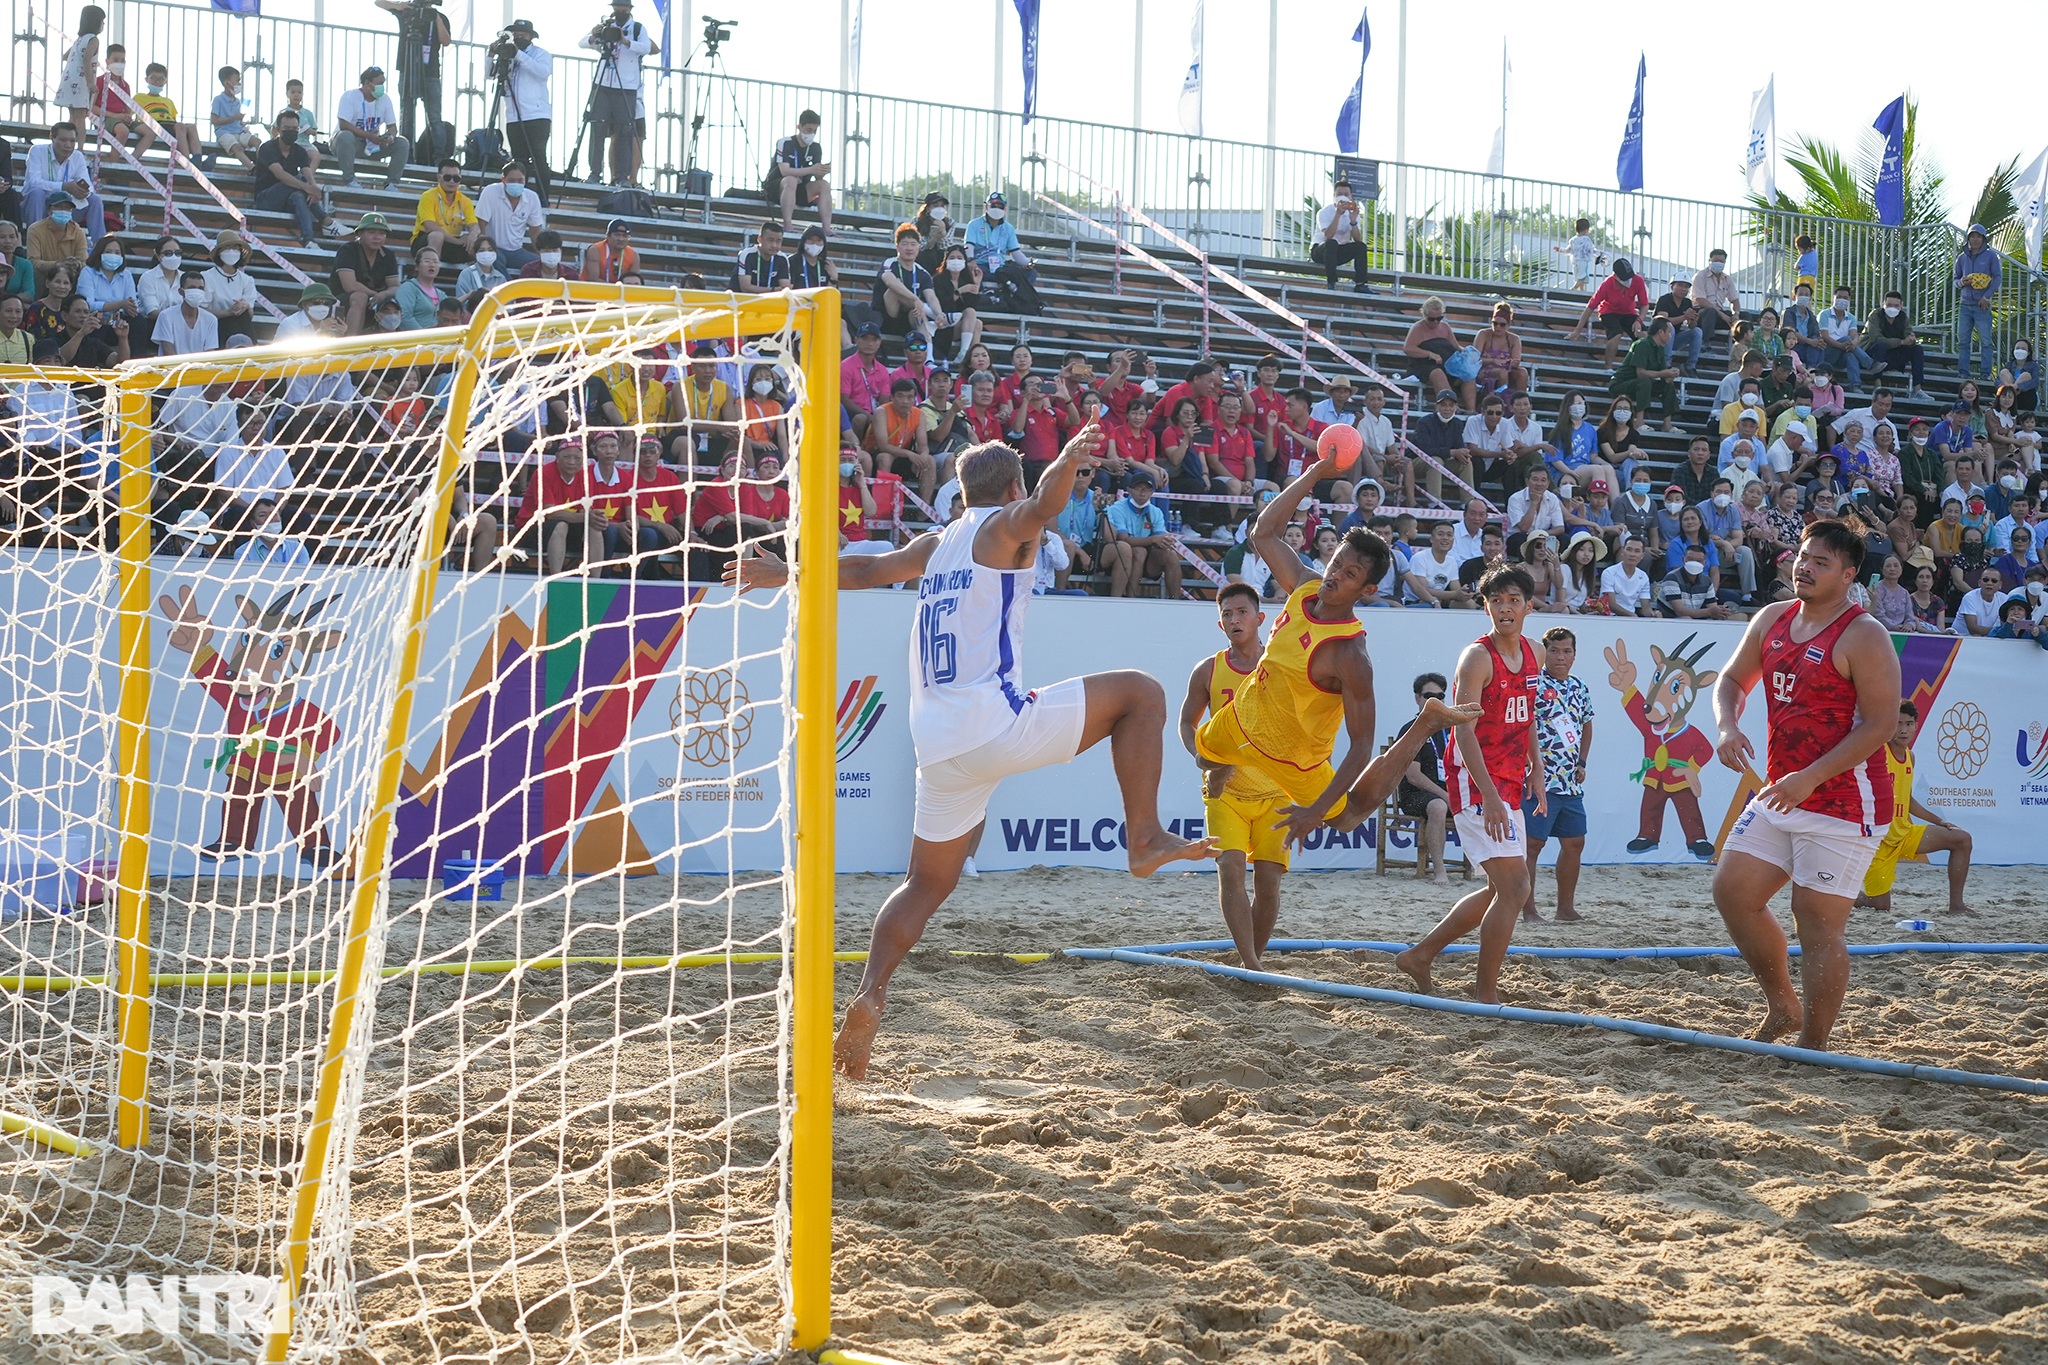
{"x":2030,"y":751}
{"x":860,"y":710}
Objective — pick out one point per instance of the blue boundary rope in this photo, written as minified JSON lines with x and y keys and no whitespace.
{"x":1838,"y":1061}
{"x":1349,"y":945}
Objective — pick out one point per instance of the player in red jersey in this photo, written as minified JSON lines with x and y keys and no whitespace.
{"x":1831,"y":680}
{"x":1485,"y":771}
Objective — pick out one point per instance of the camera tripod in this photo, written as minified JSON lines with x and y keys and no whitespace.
{"x":584,"y":135}
{"x":708,"y":64}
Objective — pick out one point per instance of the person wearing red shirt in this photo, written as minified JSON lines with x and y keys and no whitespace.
{"x":557,"y":504}
{"x":1010,"y":389}
{"x":863,"y":379}
{"x":914,"y":367}
{"x":1034,"y":429}
{"x":1621,"y":300}
{"x":1203,"y":384}
{"x":984,"y":416}
{"x":659,"y":510}
{"x":715,"y":517}
{"x":1265,"y":404}
{"x":1117,"y":387}
{"x":856,"y":501}
{"x":764,"y":500}
{"x":1236,"y":452}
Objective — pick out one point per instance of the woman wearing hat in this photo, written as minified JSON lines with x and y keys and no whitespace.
{"x":1578,"y":587}
{"x":230,"y":289}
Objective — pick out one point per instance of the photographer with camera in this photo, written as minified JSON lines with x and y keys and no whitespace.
{"x":422,"y":33}
{"x":621,"y":43}
{"x":522,"y":69}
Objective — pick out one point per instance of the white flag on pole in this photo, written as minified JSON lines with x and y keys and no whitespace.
{"x":2031,"y":190}
{"x":1761,"y":159}
{"x":1191,"y":88}
{"x":853,"y":43}
{"x":1496,"y":160}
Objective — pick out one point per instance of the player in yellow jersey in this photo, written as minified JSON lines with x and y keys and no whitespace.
{"x":1282,"y":723}
{"x":1241,"y":805}
{"x":1908,"y":837}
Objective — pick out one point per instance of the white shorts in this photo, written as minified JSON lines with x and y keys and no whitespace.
{"x":1819,"y":852}
{"x":953,"y":795}
{"x":1482,"y":847}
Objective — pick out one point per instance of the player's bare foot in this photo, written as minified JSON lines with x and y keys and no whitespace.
{"x":1416,"y":967}
{"x":1438,"y":714}
{"x":1149,"y":855}
{"x":1484,"y":997}
{"x":1567,"y":915}
{"x":1531,"y":915}
{"x":857,"y":1037}
{"x":1777,"y":1023}
{"x":1442,"y":878}
{"x":1961,"y":910}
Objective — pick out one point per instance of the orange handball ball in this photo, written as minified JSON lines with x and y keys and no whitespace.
{"x":1340,"y":443}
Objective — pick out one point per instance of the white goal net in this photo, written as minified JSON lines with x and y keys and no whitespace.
{"x":310,"y":716}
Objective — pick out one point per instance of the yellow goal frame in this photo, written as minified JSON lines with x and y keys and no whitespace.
{"x":814,"y":318}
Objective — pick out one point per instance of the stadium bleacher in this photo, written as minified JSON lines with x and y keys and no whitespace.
{"x":1093,"y":302}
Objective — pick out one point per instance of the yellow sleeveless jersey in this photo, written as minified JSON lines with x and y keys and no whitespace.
{"x":1901,"y":770}
{"x":1245,"y":784}
{"x":1281,"y":711}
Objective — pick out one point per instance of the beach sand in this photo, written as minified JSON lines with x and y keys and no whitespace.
{"x":1094,"y":1162}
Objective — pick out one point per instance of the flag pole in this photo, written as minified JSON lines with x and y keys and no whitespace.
{"x":1400,"y":142}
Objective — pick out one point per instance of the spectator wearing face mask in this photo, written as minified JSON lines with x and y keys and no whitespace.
{"x":231,"y":293}
{"x":284,"y":181}
{"x":1001,"y":256}
{"x":935,"y":231}
{"x":483,"y":274}
{"x":57,"y":239}
{"x":1893,"y":344}
{"x":1802,"y":327}
{"x":2022,"y":375}
{"x":189,"y":328}
{"x":547,"y":258}
{"x":159,"y":106}
{"x":800,"y":175}
{"x":512,"y":217}
{"x":1715,"y":295}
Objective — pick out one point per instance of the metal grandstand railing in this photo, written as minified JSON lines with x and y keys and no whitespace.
{"x":1232,"y":198}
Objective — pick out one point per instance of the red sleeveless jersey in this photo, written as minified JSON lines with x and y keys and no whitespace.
{"x":1509,"y":705}
{"x":1811,"y":708}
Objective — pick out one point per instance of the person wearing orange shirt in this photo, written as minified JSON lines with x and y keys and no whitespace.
{"x":614,"y":257}
{"x":896,"y":436}
{"x":761,"y":432}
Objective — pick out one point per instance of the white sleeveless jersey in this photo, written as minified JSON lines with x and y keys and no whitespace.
{"x":966,"y":650}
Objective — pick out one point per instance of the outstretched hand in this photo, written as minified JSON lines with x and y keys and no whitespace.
{"x":763,"y":570}
{"x":1083,"y":447}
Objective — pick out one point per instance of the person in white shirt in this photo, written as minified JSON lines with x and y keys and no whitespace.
{"x":1787,"y":451}
{"x":252,"y":468}
{"x":188,"y":328}
{"x":1841,"y":332}
{"x":1625,"y":586}
{"x":1334,"y":409}
{"x":157,"y":288}
{"x":1977,"y":613}
{"x":1339,"y":239}
{"x":58,"y":166}
{"x":1469,"y":535}
{"x":1869,"y":419}
{"x":315,"y":318}
{"x":231,"y":293}
{"x":1965,"y":486}
{"x":1525,"y":433}
{"x":1432,"y":578}
{"x":1382,"y":455}
{"x":1487,"y":437}
{"x":270,"y":545}
{"x":200,"y":415}
{"x":512,"y":217}
{"x":1714,"y":294}
{"x":1741,"y":470}
{"x":529,"y":107}
{"x":1052,"y":562}
{"x":1533,"y":508}
{"x":366,"y":127}
{"x":620,"y":42}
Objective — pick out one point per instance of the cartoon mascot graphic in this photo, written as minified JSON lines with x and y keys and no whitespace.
{"x":275,"y":741}
{"x":1674,"y":750}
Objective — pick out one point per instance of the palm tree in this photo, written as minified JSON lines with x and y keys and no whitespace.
{"x":1838,"y":208}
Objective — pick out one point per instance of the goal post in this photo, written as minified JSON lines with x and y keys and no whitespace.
{"x":269,"y":1052}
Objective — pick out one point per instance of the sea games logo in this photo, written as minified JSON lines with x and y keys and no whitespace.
{"x":2030,"y":751}
{"x":860,"y":710}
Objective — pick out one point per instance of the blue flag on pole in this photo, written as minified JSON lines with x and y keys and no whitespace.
{"x":1353,"y":112}
{"x":1027,"y":20}
{"x":239,"y":6}
{"x":1628,"y":167}
{"x":661,"y":7}
{"x":1891,"y":172}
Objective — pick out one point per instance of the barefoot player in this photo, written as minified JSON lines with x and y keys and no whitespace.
{"x":1831,"y":689}
{"x":1486,"y":771}
{"x":1283,"y":721}
{"x":971,"y":718}
{"x":1908,"y":836}
{"x":1241,"y":806}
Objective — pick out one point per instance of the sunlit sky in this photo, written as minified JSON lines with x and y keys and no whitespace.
{"x":1573,"y":70}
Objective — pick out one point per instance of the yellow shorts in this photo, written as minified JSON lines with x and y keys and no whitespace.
{"x":1250,"y":827}
{"x":1893,"y":850}
{"x":1222,"y":740}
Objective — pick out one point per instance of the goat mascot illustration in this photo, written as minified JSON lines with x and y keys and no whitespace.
{"x":1674,"y":750}
{"x":275,"y":740}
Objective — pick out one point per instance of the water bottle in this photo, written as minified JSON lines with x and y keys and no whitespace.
{"x":1918,"y":926}
{"x":1173,"y":522}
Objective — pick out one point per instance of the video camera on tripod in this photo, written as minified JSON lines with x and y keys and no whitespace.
{"x":718,"y":31}
{"x":500,"y":54}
